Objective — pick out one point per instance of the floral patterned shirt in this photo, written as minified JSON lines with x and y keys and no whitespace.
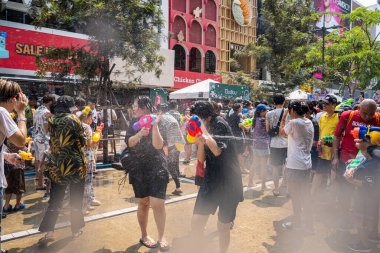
{"x":67,"y":139}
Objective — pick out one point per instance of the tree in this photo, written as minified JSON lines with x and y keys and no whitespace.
{"x":117,"y":28}
{"x":287,"y":25}
{"x":352,"y":57}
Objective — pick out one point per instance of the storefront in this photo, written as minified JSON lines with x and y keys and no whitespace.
{"x":19,"y":46}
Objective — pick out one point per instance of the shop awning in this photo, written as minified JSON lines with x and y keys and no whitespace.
{"x":211,"y":89}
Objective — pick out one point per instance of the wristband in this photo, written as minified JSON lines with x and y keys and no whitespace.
{"x":21,"y":119}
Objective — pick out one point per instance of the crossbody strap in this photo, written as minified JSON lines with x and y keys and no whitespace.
{"x":279,"y":120}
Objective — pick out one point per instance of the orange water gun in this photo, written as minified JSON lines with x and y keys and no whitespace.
{"x":244,"y":5}
{"x":98,"y":133}
{"x":28,"y":139}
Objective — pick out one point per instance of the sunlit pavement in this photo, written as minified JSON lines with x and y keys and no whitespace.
{"x":257,"y":226}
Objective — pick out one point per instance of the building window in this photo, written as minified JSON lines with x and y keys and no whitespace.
{"x":15,"y":16}
{"x":178,"y":26}
{"x":194,"y":4}
{"x":179,"y":57}
{"x":179,"y":5}
{"x":210,"y":62}
{"x":210,"y":36}
{"x":196,"y":32}
{"x":211,"y":10}
{"x":195,"y":60}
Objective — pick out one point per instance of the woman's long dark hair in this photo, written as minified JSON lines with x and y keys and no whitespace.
{"x":204,"y":110}
{"x":144,"y":102}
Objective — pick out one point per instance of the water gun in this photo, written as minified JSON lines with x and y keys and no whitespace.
{"x":352,"y":167}
{"x":247,"y":122}
{"x":348,"y":102}
{"x":193,"y":129}
{"x":28,"y":139}
{"x":86,"y":110}
{"x":26,"y":156}
{"x":145,"y":121}
{"x":370,"y":134}
{"x":98,"y":133}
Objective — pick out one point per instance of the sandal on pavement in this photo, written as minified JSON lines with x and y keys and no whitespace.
{"x":7,"y":210}
{"x":164,"y":246}
{"x":18,"y":208}
{"x":95,"y":202}
{"x":42,"y":242}
{"x":149,"y":243}
{"x":276,"y":193}
{"x":177,"y":192}
{"x":77,"y":234}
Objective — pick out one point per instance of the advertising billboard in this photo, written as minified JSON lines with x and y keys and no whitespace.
{"x":333,"y":6}
{"x":20,"y":44}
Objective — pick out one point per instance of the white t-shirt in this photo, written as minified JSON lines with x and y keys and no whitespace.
{"x":7,"y":128}
{"x":273,"y":117}
{"x":300,"y":133}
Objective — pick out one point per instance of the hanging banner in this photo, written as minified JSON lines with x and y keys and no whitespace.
{"x":331,"y":19}
{"x":226,"y":91}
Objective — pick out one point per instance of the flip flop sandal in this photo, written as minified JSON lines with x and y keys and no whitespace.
{"x":153,"y":246}
{"x":276,"y":193}
{"x":164,"y":248}
{"x":44,"y":241}
{"x":77,"y":234}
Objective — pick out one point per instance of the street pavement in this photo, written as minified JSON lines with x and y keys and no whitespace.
{"x":257,"y":226}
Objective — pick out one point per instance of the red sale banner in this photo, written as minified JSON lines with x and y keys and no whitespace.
{"x":19,"y":44}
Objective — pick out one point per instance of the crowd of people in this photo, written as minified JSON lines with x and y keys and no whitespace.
{"x":309,"y":143}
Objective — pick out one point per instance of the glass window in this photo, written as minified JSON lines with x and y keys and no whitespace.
{"x":210,"y":62}
{"x":195,"y":60}
{"x":179,"y":57}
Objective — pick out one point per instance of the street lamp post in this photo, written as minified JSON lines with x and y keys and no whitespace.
{"x":324,"y":30}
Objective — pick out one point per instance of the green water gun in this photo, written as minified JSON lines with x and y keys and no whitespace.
{"x":247,"y":122}
{"x":352,"y":167}
{"x":328,"y":139}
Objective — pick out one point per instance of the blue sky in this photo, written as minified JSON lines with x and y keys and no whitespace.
{"x":367,"y":2}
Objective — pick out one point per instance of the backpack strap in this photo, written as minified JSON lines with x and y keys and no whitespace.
{"x":352,"y":113}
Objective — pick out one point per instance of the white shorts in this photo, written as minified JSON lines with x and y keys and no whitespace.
{"x":39,"y":150}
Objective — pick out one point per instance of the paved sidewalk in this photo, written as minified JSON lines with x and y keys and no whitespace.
{"x":257,"y":227}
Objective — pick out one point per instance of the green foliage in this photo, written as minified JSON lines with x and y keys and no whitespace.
{"x":352,"y":57}
{"x":287,"y":30}
{"x":117,"y":28}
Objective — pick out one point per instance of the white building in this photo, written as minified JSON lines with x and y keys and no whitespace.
{"x":376,"y":29}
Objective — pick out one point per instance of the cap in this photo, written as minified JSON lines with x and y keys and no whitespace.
{"x":261,"y":107}
{"x":330,"y":99}
{"x":65,"y":104}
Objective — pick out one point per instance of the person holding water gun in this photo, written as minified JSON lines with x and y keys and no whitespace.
{"x":344,"y":142}
{"x":366,"y":178}
{"x":327,"y":125}
{"x":11,"y":99}
{"x":148,"y":173}
{"x":222,"y":186}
